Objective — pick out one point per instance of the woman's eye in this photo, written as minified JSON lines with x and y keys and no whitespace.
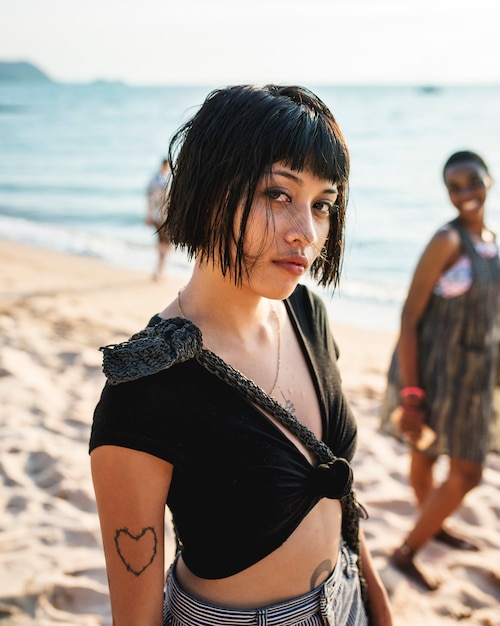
{"x":277,"y":195}
{"x":477,"y":183}
{"x":326,"y":208}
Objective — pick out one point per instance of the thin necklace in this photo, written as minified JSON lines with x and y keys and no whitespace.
{"x":179,"y":303}
{"x":278,"y":322}
{"x":279,"y":351}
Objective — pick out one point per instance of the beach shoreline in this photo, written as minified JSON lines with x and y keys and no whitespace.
{"x":56,"y":310}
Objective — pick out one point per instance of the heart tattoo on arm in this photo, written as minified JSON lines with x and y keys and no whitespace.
{"x":136,"y":552}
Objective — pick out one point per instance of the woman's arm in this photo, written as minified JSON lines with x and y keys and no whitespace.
{"x":380,"y":612}
{"x":442,"y":251}
{"x":131,"y":489}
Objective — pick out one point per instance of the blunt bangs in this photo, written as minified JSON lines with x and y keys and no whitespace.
{"x":219,"y":156}
{"x":307,"y":139}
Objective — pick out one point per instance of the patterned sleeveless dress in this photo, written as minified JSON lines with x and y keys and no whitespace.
{"x":458,"y":352}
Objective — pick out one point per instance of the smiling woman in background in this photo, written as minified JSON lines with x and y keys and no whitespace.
{"x":229,"y":407}
{"x":442,"y":374}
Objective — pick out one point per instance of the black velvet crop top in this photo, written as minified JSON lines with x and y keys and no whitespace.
{"x":240,"y":487}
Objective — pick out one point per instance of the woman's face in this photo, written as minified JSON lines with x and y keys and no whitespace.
{"x":468,"y":184}
{"x":287,"y":228}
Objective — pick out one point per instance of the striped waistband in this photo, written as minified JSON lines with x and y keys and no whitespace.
{"x":192,"y":612}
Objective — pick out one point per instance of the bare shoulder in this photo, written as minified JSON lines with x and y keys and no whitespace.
{"x":445,"y":246}
{"x":447,"y":235}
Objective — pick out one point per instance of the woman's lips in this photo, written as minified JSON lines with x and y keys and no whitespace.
{"x":296,"y":265}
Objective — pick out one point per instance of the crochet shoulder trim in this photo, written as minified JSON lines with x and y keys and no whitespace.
{"x":152,"y":350}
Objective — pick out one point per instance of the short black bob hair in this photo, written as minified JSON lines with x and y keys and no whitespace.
{"x":221,"y":153}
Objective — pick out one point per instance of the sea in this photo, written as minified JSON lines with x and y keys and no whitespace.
{"x":75,"y":161}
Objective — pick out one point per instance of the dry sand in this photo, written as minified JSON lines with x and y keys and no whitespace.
{"x":55,"y":311}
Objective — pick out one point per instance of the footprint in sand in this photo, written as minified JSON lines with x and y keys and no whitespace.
{"x":80,"y":538}
{"x":486,"y":579}
{"x":41,"y":467}
{"x":16,"y":504}
{"x":77,"y":604}
{"x":97,"y":574}
{"x":78,"y":498}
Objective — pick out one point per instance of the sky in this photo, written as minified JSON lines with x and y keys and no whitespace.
{"x":219,"y":42}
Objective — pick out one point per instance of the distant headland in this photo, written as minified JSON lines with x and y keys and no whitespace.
{"x":25,"y":72}
{"x":22,"y":71}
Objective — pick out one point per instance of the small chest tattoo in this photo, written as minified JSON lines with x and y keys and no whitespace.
{"x":288,"y":404}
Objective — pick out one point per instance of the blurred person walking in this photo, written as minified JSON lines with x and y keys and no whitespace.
{"x":157,"y":203}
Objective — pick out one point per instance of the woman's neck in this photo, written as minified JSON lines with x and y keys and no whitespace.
{"x":476,"y":228}
{"x":223,"y":311}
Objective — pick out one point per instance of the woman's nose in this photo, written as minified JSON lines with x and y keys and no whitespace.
{"x":301,"y":226}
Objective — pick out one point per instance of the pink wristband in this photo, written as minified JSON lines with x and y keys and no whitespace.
{"x":418,"y":392}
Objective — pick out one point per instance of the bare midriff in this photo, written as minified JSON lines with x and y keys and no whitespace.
{"x":301,"y":564}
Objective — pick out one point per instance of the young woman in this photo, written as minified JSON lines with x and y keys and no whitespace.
{"x":442,"y":373}
{"x":228,"y":407}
